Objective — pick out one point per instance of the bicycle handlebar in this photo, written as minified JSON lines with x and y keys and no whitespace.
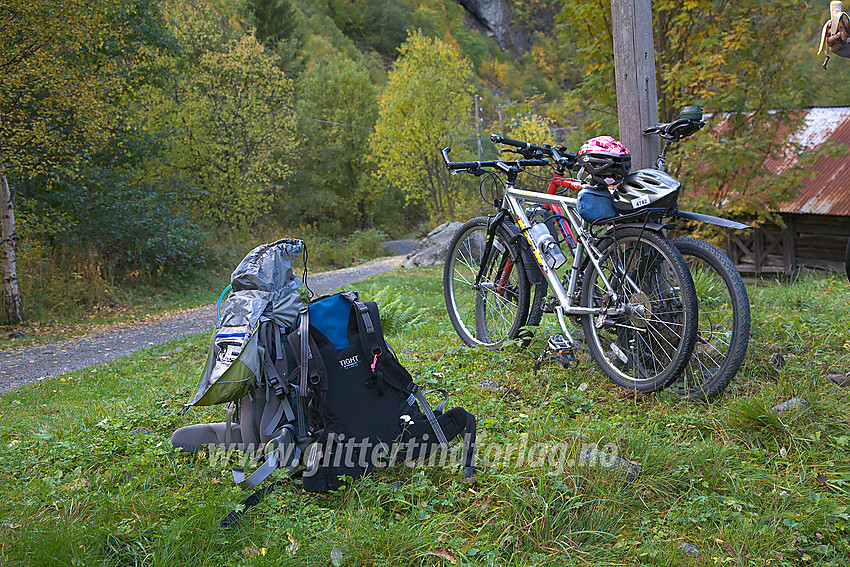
{"x":496,"y":139}
{"x":473,"y":166}
{"x":676,"y":130}
{"x":558,"y":153}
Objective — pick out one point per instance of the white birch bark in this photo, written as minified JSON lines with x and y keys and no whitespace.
{"x":11,"y":295}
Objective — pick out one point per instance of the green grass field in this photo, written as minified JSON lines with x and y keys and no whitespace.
{"x":89,"y":476}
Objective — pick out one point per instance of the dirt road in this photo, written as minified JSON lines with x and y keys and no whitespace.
{"x":45,"y":361}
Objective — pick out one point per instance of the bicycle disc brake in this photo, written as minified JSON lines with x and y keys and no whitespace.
{"x":559,"y":349}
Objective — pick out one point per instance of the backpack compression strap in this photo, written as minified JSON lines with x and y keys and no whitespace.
{"x":286,"y":452}
{"x":312,"y":370}
{"x":270,"y":334}
{"x":306,"y":355}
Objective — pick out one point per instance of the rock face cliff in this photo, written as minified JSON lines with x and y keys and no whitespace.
{"x":494,"y":16}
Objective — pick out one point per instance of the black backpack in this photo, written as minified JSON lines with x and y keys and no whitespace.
{"x":357,"y":403}
{"x":352,"y":407}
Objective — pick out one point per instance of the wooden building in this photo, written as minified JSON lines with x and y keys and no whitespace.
{"x":817,"y":220}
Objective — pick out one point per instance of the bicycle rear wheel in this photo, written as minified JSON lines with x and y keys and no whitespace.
{"x":645,"y":338}
{"x":724,"y":321}
{"x":496,"y":308}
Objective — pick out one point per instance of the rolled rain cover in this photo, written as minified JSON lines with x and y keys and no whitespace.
{"x":269,"y":267}
{"x":263,"y":287}
{"x":233,"y":365}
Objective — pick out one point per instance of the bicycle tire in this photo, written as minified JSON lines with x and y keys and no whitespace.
{"x":497,"y":309}
{"x":724,"y":321}
{"x":650,"y":343}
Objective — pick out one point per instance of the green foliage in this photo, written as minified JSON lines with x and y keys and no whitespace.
{"x":338,"y":108}
{"x":62,"y":282}
{"x":230,"y":120}
{"x":375,"y":24}
{"x":709,"y":53}
{"x":425,"y":106}
{"x":274,"y":21}
{"x":398,"y":315}
{"x":134,"y":228}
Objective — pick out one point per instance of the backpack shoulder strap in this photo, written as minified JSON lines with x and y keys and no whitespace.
{"x":312,"y":372}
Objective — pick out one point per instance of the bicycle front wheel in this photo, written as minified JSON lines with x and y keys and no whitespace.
{"x":724,"y":320}
{"x":489,"y":311}
{"x":645,"y":336}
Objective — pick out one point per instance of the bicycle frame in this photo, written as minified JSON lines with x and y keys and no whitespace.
{"x":513,"y":202}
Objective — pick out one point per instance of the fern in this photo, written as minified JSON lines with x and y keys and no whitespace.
{"x":396,"y":315}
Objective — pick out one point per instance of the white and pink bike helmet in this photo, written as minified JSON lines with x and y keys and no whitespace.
{"x":605,"y":160}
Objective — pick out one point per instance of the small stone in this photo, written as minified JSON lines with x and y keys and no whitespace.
{"x":489,"y":385}
{"x":777,"y":360}
{"x":140,"y":431}
{"x":627,"y":470}
{"x":840,"y":379}
{"x":433,"y":249}
{"x":795,"y":403}
{"x":690,"y":549}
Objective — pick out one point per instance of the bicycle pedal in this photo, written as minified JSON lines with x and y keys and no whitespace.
{"x":567,"y":359}
{"x":557,"y":343}
{"x":559,"y":349}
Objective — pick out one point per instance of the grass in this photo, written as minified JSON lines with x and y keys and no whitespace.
{"x":89,"y":477}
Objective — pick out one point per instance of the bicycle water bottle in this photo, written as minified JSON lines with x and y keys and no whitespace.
{"x":549,"y":249}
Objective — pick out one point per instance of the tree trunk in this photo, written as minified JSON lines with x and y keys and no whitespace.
{"x":11,"y":296}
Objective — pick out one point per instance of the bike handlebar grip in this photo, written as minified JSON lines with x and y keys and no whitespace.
{"x":509,"y":142}
{"x":445,"y":153}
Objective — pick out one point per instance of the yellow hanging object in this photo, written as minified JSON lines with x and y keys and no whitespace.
{"x":836,"y":32}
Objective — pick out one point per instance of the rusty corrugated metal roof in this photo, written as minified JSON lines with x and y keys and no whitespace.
{"x":829,"y":192}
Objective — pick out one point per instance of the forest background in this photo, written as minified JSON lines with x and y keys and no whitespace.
{"x":144,"y":143}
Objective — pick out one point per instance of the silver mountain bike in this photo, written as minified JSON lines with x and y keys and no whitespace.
{"x":628,"y":285}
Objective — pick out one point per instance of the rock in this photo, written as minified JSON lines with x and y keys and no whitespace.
{"x":690,"y":549}
{"x":627,"y":470}
{"x":795,"y":403}
{"x":489,"y":385}
{"x":840,"y":379}
{"x":777,"y":360}
{"x":433,"y":249}
{"x":17,"y":334}
{"x":495,"y":18}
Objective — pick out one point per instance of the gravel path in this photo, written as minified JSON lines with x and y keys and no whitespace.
{"x":40,"y":362}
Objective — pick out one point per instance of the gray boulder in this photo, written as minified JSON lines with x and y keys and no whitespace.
{"x":434,"y":247}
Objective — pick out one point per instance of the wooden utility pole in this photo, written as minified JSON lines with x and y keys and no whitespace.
{"x":634,"y":71}
{"x":477,"y":127}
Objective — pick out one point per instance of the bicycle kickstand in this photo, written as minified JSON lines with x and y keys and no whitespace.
{"x":559,"y":349}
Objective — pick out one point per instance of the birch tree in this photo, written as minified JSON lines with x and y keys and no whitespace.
{"x":52,"y":99}
{"x":424,"y":108}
